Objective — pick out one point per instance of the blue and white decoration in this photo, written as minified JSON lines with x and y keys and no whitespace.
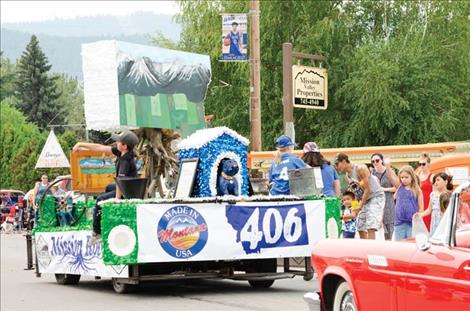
{"x":221,"y":231}
{"x":211,"y":146}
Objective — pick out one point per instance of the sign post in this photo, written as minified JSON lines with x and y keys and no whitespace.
{"x":288,"y":96}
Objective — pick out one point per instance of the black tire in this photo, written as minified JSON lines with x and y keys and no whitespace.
{"x":261,"y":284}
{"x":67,"y":279}
{"x":344,"y":298}
{"x":123,"y":288}
{"x":264,"y":265}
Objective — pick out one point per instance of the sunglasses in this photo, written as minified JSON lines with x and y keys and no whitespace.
{"x":422,"y":164}
{"x":375,"y":161}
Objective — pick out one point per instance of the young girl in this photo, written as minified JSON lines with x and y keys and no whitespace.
{"x":283,"y":162}
{"x":409,"y":199}
{"x":442,"y":183}
{"x":371,"y":205}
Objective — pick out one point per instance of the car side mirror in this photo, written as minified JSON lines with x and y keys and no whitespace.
{"x":422,"y":242}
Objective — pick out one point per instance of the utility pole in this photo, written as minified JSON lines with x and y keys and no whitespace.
{"x":255,"y":79}
{"x":288,"y":108}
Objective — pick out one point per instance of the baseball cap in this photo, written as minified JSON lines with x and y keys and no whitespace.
{"x":311,"y":147}
{"x":341,"y":157}
{"x":284,"y":141}
{"x":126,"y":137}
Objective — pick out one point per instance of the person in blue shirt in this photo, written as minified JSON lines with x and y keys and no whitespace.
{"x":235,"y":40}
{"x":283,"y":162}
{"x":330,"y":178}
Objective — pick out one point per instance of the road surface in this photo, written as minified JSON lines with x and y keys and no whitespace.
{"x":21,"y":290}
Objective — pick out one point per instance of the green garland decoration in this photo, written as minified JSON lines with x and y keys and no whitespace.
{"x":48,"y":210}
{"x":87,"y":218}
{"x":314,"y":197}
{"x":39,"y":229}
{"x":332,"y":210}
{"x":115,"y":214}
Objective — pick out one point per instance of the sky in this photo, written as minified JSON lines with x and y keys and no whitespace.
{"x":29,"y":11}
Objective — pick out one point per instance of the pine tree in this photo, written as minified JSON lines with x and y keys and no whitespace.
{"x":7,"y":77}
{"x":36,"y":89}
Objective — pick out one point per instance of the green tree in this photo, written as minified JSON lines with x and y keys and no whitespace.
{"x":7,"y":77}
{"x":160,"y":40}
{"x":72,"y":101}
{"x":21,"y":145}
{"x":35,"y":89}
{"x":398,"y":70}
{"x":67,"y":140}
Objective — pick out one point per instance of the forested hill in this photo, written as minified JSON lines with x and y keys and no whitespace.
{"x":61,"y":39}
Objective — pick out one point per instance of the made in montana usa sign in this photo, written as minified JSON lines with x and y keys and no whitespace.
{"x":310,"y":87}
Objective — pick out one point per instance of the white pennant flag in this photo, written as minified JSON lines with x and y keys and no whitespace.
{"x":52,"y":154}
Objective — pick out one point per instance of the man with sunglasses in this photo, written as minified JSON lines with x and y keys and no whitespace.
{"x":344,"y":166}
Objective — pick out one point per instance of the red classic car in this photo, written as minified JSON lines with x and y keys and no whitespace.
{"x":420,"y":274}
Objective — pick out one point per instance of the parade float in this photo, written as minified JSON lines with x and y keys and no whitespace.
{"x":193,"y":232}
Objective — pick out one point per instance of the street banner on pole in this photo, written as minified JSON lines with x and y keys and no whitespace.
{"x":310,"y":87}
{"x":52,"y":154}
{"x":234,"y":37}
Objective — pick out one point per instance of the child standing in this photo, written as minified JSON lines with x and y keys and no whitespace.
{"x":442,"y":183}
{"x":349,"y":215}
{"x":409,"y":199}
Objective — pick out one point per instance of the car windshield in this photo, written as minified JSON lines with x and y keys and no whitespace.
{"x":441,"y":234}
{"x":460,"y":202}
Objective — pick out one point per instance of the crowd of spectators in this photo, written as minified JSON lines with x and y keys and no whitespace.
{"x":375,"y":196}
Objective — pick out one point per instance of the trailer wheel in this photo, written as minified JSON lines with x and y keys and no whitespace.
{"x":123,"y":288}
{"x":67,"y":279}
{"x":264,"y":265}
{"x":261,"y":284}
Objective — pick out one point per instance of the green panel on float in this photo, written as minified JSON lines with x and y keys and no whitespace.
{"x":171,"y":111}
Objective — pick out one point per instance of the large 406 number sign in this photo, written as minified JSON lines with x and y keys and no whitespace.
{"x":269,"y":227}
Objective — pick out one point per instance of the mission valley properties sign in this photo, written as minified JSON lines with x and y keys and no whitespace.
{"x":310,"y":87}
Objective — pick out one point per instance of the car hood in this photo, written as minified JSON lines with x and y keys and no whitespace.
{"x":356,"y":249}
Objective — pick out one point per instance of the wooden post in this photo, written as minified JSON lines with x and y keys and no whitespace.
{"x":287,"y":96}
{"x":288,"y":106}
{"x":255,"y":80}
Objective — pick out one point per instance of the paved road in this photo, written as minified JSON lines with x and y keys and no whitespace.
{"x":21,"y":290}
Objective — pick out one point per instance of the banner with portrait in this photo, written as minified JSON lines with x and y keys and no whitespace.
{"x":234,"y":37}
